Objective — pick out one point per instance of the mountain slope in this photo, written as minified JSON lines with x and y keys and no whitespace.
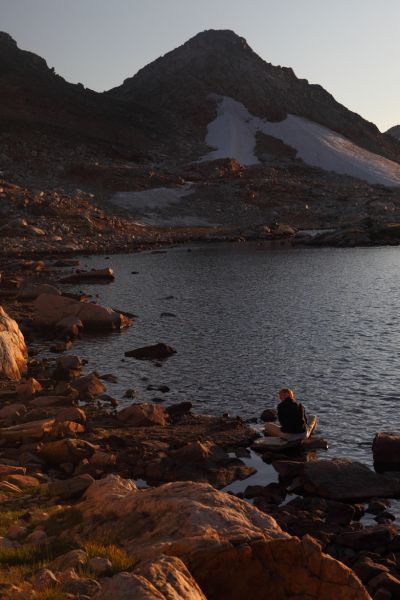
{"x":394,"y":132}
{"x":233,"y":135}
{"x":180,"y":83}
{"x":33,"y":95}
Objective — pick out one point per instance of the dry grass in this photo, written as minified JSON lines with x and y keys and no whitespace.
{"x":120,"y":560}
{"x":21,"y":555}
{"x":51,"y":593}
{"x":33,"y":555}
{"x":15,"y":575}
{"x":8,"y":518}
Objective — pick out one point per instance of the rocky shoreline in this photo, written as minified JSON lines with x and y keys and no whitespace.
{"x":74,"y":524}
{"x":262,"y":205}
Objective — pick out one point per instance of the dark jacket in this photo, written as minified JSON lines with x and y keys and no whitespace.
{"x":292,"y":416}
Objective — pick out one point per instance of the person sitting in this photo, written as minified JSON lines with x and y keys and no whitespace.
{"x":293,"y":423}
{"x":291,"y":414}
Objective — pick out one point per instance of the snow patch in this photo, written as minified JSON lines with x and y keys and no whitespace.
{"x":233,"y":131}
{"x":153,"y":198}
{"x":151,"y":207}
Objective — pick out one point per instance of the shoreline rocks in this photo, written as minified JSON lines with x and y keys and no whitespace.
{"x":143,"y":415}
{"x":50,"y":311}
{"x":343,"y":479}
{"x":95,"y":275}
{"x":217,"y":544}
{"x":158,"y":351}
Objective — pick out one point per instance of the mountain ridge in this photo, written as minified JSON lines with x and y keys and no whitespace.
{"x":166,"y":105}
{"x":221,"y":62}
{"x":34,"y":95}
{"x":394,"y":132}
{"x":167,"y":131}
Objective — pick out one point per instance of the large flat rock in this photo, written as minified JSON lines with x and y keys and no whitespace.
{"x":49,"y":310}
{"x":342,"y":479}
{"x":231,"y":549}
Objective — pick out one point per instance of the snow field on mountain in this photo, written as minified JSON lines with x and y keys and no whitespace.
{"x":151,"y":207}
{"x":152,"y":198}
{"x":233,"y":131}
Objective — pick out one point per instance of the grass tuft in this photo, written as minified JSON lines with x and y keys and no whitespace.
{"x":8,"y":518}
{"x":29,"y":555}
{"x":21,"y":555}
{"x":15,"y":575}
{"x":120,"y":560}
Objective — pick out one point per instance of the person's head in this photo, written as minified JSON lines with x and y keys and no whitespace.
{"x":286,"y":393}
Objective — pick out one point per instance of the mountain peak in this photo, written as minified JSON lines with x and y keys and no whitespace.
{"x":14,"y":59}
{"x":394,"y":131}
{"x":215,"y":61}
{"x":217,"y":37}
{"x":182,"y":86}
{"x":177,"y":94}
{"x":7,"y":40}
{"x":201,"y":53}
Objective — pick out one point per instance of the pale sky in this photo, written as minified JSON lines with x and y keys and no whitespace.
{"x":350,"y":47}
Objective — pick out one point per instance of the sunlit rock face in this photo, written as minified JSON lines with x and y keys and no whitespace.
{"x":13,"y":351}
{"x":230,"y":548}
{"x":165,"y":578}
{"x":50,"y":310}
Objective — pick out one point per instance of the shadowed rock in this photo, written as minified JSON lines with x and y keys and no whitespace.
{"x":386,"y":451}
{"x":70,"y":488}
{"x":93,"y":275}
{"x":342,"y":479}
{"x":155,"y":352}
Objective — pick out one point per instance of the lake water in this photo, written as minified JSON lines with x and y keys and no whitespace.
{"x":249,"y":321}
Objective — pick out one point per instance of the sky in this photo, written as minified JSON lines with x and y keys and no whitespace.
{"x":350,"y":47}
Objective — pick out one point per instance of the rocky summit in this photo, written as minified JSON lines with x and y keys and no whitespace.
{"x":221,"y":62}
{"x":394,"y":131}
